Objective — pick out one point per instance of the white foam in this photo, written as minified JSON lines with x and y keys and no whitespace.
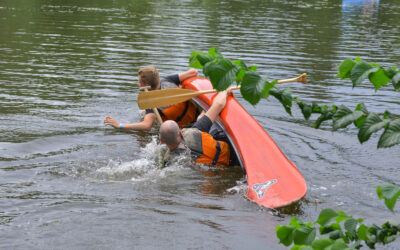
{"x":240,"y":188}
{"x":148,"y":167}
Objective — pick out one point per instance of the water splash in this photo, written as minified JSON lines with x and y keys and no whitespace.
{"x":240,"y":188}
{"x":148,"y":167}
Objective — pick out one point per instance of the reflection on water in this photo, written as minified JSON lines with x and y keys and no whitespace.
{"x":365,"y":10}
{"x":67,"y":180}
{"x":364,"y":5}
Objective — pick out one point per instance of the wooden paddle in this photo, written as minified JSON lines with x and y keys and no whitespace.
{"x":166,"y":97}
{"x":155,"y":110}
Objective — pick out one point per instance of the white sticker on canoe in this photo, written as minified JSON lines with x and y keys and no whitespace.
{"x":260,"y":188}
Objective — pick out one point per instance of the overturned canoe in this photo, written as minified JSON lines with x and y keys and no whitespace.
{"x":273,"y":180}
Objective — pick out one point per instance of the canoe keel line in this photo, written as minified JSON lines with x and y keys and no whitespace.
{"x":273,"y":180}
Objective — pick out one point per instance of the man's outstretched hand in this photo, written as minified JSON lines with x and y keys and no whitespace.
{"x":111,"y":122}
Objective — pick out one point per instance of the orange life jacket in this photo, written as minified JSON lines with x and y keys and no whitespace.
{"x":205,"y":149}
{"x":214,"y":152}
{"x":183,"y":113}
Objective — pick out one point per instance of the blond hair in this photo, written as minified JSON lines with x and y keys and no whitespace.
{"x":149,"y":76}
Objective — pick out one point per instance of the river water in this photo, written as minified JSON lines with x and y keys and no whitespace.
{"x":69,"y":182}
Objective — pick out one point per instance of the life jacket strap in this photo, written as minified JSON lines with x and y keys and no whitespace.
{"x":216,"y":157}
{"x":161,"y":113}
{"x":183,"y":113}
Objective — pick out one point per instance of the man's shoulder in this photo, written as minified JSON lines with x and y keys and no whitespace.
{"x":190,"y":130}
{"x":190,"y":134}
{"x":192,"y":138}
{"x":171,"y":81}
{"x":165,"y":84}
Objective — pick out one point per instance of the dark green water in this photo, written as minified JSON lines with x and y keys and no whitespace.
{"x":69,"y":182}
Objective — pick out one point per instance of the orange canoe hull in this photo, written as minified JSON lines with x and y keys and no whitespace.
{"x":273,"y":180}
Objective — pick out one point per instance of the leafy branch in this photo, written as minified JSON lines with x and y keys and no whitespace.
{"x":368,"y":123}
{"x":223,"y":72}
{"x":358,"y":70}
{"x":343,"y":231}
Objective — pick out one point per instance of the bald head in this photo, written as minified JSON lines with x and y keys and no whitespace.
{"x":170,"y":133}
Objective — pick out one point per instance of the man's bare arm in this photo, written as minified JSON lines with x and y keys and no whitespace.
{"x":217,"y":106}
{"x":187,"y":74}
{"x":145,"y":125}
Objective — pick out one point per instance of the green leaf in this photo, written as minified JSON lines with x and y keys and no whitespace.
{"x":284,"y":97}
{"x":241,"y":64}
{"x":362,"y":232}
{"x":388,"y":115}
{"x":361,"y":71}
{"x":337,"y":234}
{"x":339,"y":245}
{"x":242,"y":71}
{"x":301,"y":247}
{"x":304,"y":235}
{"x":214,"y":52}
{"x":371,"y":124}
{"x":306,"y":109}
{"x":316,"y":108}
{"x":287,"y":100}
{"x":204,"y":58}
{"x":322,"y":243}
{"x":345,"y":68}
{"x":390,"y":193}
{"x":350,"y":225}
{"x":285,"y":234}
{"x":327,"y":229}
{"x":363,"y":108}
{"x":396,"y":81}
{"x":253,"y":68}
{"x":391,"y":136}
{"x":359,"y":122}
{"x":326,"y":114}
{"x":342,"y":216}
{"x":344,"y":117}
{"x":252,"y":87}
{"x":390,"y":72}
{"x":207,"y":66}
{"x":222,"y":73}
{"x":267,"y":88}
{"x":296,"y":222}
{"x":379,"y":78}
{"x":193,"y":61}
{"x":240,"y":75}
{"x":326,"y":216}
{"x":390,"y":239}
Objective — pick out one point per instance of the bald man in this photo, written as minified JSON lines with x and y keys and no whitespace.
{"x":203,"y":146}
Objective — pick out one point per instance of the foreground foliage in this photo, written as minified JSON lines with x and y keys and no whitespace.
{"x":342,"y":231}
{"x":223,"y":72}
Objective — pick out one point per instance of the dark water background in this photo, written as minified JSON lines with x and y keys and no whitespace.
{"x":69,"y":182}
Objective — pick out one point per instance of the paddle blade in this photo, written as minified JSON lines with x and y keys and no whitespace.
{"x":165,"y":97}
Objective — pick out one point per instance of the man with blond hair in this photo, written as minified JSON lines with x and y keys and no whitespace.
{"x":183,"y":113}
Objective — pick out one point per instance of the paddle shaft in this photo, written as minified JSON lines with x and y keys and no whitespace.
{"x":302,"y":78}
{"x":166,"y":97}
